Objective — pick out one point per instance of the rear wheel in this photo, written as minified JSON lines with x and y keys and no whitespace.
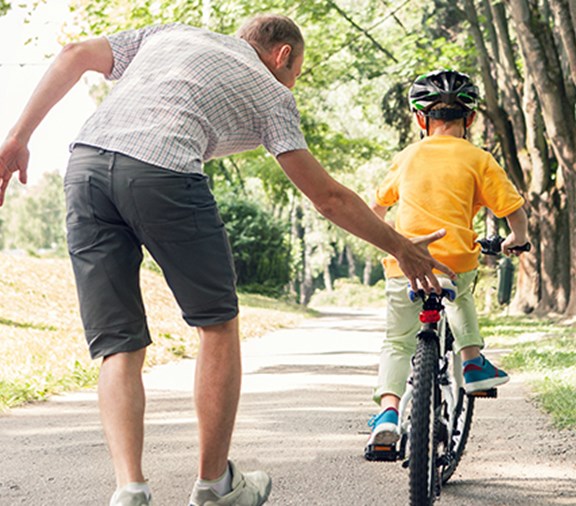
{"x":424,"y":424}
{"x":460,"y":432}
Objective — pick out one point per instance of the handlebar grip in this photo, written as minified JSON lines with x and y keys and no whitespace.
{"x":524,"y":247}
{"x":493,"y":245}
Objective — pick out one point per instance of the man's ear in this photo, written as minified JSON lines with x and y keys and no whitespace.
{"x":421,"y":119}
{"x":283,"y":53}
{"x":470,"y":119}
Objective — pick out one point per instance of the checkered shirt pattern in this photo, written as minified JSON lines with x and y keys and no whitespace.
{"x":185,"y":95}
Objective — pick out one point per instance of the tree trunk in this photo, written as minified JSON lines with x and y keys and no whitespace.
{"x":351,"y":262}
{"x":565,"y":26}
{"x":366,"y":275}
{"x":495,"y":112}
{"x":542,"y":64}
{"x":328,"y":279}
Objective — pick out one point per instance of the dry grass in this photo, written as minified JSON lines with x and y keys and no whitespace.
{"x":42,"y":348}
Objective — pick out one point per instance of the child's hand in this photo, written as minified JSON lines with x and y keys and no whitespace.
{"x":514,"y":245}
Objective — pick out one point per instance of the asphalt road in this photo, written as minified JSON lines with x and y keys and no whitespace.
{"x":302,"y":418}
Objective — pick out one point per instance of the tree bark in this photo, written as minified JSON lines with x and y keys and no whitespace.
{"x":543,"y":65}
{"x":495,"y":112}
{"x":565,"y":26}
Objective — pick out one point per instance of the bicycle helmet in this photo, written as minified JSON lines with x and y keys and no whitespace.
{"x":444,"y":87}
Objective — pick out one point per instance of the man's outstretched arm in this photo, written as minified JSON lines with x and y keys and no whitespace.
{"x":68,"y":67}
{"x":347,"y":210}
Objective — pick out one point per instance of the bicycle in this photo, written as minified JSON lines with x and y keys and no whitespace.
{"x":435,"y":411}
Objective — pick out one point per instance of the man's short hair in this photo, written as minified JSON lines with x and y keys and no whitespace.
{"x":266,"y":31}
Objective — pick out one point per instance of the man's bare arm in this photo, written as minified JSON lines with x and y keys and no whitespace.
{"x":347,"y":210}
{"x":66,"y":70}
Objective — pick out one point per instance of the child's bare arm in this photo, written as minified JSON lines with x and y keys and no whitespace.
{"x":518,"y":236}
{"x":381,"y":211}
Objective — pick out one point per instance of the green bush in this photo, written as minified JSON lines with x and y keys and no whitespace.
{"x":259,"y":246}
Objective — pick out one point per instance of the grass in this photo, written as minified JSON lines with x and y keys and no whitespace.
{"x":545,"y":352}
{"x":43,"y":351}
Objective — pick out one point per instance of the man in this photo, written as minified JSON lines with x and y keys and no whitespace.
{"x":183,"y":95}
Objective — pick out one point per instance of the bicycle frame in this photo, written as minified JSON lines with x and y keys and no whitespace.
{"x":435,"y":413}
{"x":450,"y":379}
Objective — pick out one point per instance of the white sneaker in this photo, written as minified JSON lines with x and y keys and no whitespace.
{"x":126,"y":497}
{"x":250,"y":489}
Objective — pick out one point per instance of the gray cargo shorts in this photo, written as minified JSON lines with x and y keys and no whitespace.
{"x":115,"y":205}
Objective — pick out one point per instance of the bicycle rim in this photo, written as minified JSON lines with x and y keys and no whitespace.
{"x":460,"y":432}
{"x":423,"y":442}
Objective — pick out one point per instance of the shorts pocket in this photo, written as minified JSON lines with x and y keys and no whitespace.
{"x":167,"y":205}
{"x":81,"y":225}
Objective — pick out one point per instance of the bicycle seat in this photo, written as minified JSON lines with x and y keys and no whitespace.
{"x":449,"y":290}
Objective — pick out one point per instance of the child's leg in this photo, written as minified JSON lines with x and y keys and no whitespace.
{"x":479,"y":373}
{"x":399,"y":343}
{"x":397,"y":349}
{"x":463,"y":318}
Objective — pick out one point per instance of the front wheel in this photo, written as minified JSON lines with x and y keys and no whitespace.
{"x":424,"y":424}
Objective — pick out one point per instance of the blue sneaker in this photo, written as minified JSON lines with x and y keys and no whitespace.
{"x":385,"y":429}
{"x":480,"y":374}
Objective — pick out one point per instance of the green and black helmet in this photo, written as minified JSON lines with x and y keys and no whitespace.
{"x":444,"y":87}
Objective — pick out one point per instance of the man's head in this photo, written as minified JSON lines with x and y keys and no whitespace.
{"x":444,"y":96}
{"x":279,"y":43}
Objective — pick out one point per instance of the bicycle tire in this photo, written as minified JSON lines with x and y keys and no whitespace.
{"x":462,"y":423}
{"x":423,"y":469}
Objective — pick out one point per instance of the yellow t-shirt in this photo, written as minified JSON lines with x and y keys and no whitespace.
{"x":442,"y":182}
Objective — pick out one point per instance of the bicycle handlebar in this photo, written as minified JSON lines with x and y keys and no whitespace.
{"x":493,"y":245}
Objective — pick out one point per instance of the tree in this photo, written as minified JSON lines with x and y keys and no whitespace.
{"x":530,"y":103}
{"x":260,"y":245}
{"x":4,"y":7}
{"x":34,"y":220}
{"x":352,"y":100}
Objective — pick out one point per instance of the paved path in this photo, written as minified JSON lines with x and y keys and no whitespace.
{"x":302,"y":418}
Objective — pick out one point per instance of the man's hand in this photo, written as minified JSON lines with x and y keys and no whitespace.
{"x":417,"y":264}
{"x":14,"y":157}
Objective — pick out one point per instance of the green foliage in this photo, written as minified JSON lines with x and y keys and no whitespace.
{"x":34,"y":220}
{"x":4,"y":7}
{"x":545,"y":352}
{"x":351,"y":293}
{"x":259,"y":244}
{"x":558,"y":397}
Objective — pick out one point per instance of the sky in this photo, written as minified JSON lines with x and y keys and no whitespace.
{"x":21,"y":67}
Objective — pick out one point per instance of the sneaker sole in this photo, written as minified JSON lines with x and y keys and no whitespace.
{"x":479,"y":386}
{"x":384,"y":434}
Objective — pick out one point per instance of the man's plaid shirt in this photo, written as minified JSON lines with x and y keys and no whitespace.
{"x":185,"y":95}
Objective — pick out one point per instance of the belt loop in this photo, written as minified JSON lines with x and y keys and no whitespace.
{"x":112,"y":161}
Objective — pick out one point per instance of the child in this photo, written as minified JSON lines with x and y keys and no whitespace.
{"x":441,"y":181}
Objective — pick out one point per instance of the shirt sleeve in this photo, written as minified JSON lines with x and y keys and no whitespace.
{"x":125,"y":46}
{"x":497,"y":192}
{"x":387,"y":192}
{"x":282,"y":131}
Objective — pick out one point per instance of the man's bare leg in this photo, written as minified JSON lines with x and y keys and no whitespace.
{"x":216,"y":393}
{"x":122,"y":402}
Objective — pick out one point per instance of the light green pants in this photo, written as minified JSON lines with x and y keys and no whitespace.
{"x":402,"y":325}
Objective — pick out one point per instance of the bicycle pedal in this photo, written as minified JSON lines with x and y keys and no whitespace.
{"x":491,"y":393}
{"x":381,"y":453}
